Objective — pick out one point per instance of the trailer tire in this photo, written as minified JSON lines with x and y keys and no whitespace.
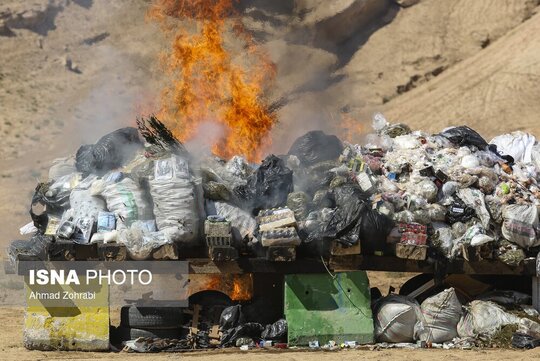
{"x":122,"y":334}
{"x":151,"y":318}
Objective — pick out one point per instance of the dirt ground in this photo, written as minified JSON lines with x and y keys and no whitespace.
{"x":12,"y":349}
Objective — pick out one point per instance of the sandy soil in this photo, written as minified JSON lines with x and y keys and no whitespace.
{"x":12,"y":349}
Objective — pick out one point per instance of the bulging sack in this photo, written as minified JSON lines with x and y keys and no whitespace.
{"x":125,"y":199}
{"x":397,"y":319}
{"x":442,"y":313}
{"x":174,"y":196}
{"x":520,"y":225}
{"x":484,"y":318}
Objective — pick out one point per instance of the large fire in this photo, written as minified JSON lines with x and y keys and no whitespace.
{"x":207,"y":85}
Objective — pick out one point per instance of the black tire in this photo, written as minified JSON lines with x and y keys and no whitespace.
{"x":151,"y":318}
{"x":122,"y":334}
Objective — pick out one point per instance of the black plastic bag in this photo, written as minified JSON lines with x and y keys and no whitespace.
{"x":521,"y":340}
{"x":111,"y":151}
{"x":459,"y":212}
{"x":268,"y":187}
{"x":276,"y":331}
{"x":231,"y":317}
{"x":316,"y":146}
{"x":507,"y":298}
{"x":374,"y":229}
{"x":56,"y":202}
{"x":250,"y":329}
{"x":465,"y":136}
{"x":344,"y":224}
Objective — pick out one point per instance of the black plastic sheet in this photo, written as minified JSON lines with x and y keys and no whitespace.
{"x":316,"y":146}
{"x":520,"y":340}
{"x":268,"y":187}
{"x":250,"y":329}
{"x":465,"y":136}
{"x":111,"y":151}
{"x":276,"y":331}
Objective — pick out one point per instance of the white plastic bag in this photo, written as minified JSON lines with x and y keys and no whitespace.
{"x":397,"y":319}
{"x":240,"y":219}
{"x":84,"y":204}
{"x":175,"y":204}
{"x":140,"y":241}
{"x":62,"y":167}
{"x":125,"y":199}
{"x":520,"y":225}
{"x":475,"y":199}
{"x":484,"y":318}
{"x":442,"y":313}
{"x":518,"y":144}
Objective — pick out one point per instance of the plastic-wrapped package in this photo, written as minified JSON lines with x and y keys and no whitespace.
{"x":316,"y":146}
{"x":476,"y":236}
{"x":449,"y":188}
{"x":269,"y":186}
{"x":404,"y":217}
{"x":494,"y":206}
{"x":84,"y":204}
{"x":216,"y":191}
{"x":510,"y":254}
{"x":474,"y":199}
{"x":276,"y":331}
{"x":395,"y":130}
{"x":442,"y":238}
{"x":298,"y":202}
{"x":470,"y":161}
{"x":176,"y":206}
{"x":409,"y":141}
{"x":140,"y":241}
{"x":487,"y":185}
{"x":422,"y":216}
{"x":239,"y":167}
{"x":110,"y":151}
{"x":428,"y":190}
{"x":436,"y":212}
{"x":464,"y":136}
{"x":240,"y":220}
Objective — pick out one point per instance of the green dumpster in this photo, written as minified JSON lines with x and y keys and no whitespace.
{"x":321,"y":308}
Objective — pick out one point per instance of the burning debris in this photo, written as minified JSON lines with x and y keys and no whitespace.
{"x":208,"y":83}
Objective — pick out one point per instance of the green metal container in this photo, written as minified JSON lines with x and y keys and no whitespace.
{"x":321,"y":308}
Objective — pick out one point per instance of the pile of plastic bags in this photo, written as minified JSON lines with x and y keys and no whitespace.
{"x":447,"y":192}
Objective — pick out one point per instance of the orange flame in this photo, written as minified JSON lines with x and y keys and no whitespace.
{"x":239,"y":287}
{"x":207,"y":85}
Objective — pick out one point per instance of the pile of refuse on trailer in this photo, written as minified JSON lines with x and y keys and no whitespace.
{"x":403,"y":192}
{"x":419,"y":196}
